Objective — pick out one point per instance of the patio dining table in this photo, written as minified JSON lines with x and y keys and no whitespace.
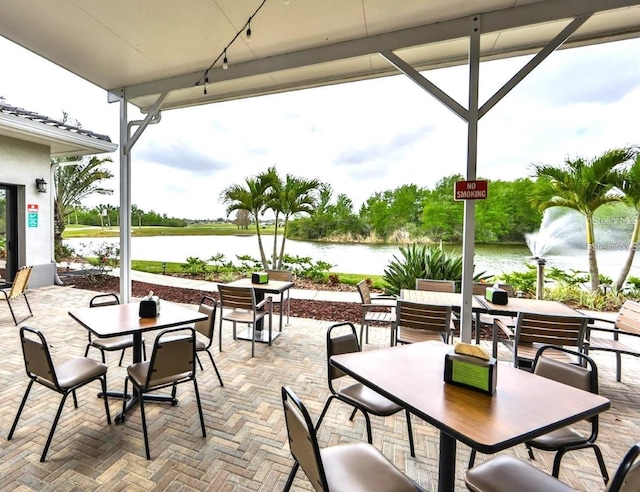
{"x":523,"y":407}
{"x":123,"y":319}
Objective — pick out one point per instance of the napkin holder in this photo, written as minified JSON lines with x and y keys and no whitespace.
{"x":259,"y":278}
{"x":496,"y":295}
{"x":149,"y":307}
{"x":471,"y":372}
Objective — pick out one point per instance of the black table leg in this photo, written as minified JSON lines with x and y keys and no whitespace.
{"x":447,"y":464}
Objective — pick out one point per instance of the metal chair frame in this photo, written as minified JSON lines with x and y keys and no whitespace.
{"x":44,"y":372}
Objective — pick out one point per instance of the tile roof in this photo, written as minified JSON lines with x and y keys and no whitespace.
{"x":45,"y":120}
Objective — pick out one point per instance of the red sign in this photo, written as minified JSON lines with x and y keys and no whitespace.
{"x":470,"y":190}
{"x":32,"y":208}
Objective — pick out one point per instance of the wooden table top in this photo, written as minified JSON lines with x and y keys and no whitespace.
{"x":524,"y":405}
{"x":453,"y":299}
{"x":123,"y":319}
{"x":518,"y":304}
{"x":272,"y":286}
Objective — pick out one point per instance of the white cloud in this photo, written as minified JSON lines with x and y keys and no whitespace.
{"x":361,"y":137}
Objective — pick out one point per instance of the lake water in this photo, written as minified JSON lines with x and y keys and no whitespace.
{"x":350,"y":258}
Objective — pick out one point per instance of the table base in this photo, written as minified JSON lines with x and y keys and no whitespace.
{"x":133,"y":399}
{"x":261,"y":336}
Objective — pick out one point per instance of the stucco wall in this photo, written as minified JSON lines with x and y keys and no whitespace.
{"x":20,"y":164}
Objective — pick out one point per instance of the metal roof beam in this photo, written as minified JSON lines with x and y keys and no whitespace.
{"x":515,"y":17}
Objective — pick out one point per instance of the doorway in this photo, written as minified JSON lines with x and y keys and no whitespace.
{"x":8,"y":232}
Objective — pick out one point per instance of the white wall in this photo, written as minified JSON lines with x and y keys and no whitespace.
{"x":20,"y":164}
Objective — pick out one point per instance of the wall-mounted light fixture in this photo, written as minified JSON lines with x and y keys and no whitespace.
{"x":41,"y":184}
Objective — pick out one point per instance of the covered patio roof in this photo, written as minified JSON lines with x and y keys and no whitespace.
{"x":142,"y":48}
{"x":163,"y":54}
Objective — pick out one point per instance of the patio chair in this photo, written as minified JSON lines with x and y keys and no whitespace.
{"x":379,"y":309}
{"x":418,"y":322}
{"x":110,"y":344}
{"x":18,"y":288}
{"x":625,"y":328}
{"x":172,"y":362}
{"x":285,"y":297}
{"x":435,"y":285}
{"x":534,"y":330}
{"x":244,"y":309}
{"x":347,"y":467}
{"x":584,"y":376}
{"x":359,"y":396}
{"x":206,"y":329}
{"x":64,"y":378}
{"x":505,"y":474}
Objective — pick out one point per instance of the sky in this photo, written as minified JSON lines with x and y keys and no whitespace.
{"x":361,"y":137}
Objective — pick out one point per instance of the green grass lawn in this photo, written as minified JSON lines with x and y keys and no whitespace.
{"x":75,"y":231}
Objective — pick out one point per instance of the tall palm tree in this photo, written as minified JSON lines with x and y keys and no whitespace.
{"x":75,"y":179}
{"x":298,"y":196}
{"x":629,"y":184}
{"x":254,"y":199}
{"x":582,"y":185}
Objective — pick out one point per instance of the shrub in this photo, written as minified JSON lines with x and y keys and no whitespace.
{"x":421,"y":261}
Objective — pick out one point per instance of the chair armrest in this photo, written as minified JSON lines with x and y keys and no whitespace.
{"x":261,"y":304}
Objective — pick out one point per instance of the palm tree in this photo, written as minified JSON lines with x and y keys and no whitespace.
{"x":253,"y":198}
{"x":629,"y":184}
{"x":75,"y":179}
{"x":582,"y":185}
{"x":298,"y":196}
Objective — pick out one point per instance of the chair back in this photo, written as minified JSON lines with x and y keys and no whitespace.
{"x":627,"y":477}
{"x":583,"y":376}
{"x":104,"y":300}
{"x":233,"y":297}
{"x":174,"y":354}
{"x":206,"y":326}
{"x":37,"y":359}
{"x":281,"y":275}
{"x":363,"y":290}
{"x":340,"y":344}
{"x":425,"y":317}
{"x":629,"y":317}
{"x":20,"y":282}
{"x":550,"y":329}
{"x":303,"y":442}
{"x":435,"y":285}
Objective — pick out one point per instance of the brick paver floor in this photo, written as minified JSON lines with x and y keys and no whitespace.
{"x":245,"y":448}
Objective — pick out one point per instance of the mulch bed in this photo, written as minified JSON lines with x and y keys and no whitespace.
{"x":321,"y":310}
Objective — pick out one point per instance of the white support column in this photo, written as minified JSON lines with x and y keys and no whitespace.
{"x":125,"y":203}
{"x":468,"y":240}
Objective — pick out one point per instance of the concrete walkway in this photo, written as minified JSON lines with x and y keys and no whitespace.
{"x":185,"y":283}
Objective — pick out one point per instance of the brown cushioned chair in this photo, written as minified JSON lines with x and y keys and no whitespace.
{"x":346,"y":467}
{"x":110,"y":344}
{"x":173,"y":362}
{"x":357,"y":395}
{"x":568,"y":438}
{"x":378,"y":309}
{"x":206,"y":329}
{"x":63,"y":378}
{"x":18,"y":288}
{"x":418,"y":322}
{"x":584,"y":376}
{"x":507,"y":474}
{"x":244,"y":309}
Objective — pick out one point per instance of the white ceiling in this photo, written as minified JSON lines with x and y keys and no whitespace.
{"x":146,"y":47}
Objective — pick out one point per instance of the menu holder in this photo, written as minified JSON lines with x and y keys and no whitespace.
{"x":471,"y":372}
